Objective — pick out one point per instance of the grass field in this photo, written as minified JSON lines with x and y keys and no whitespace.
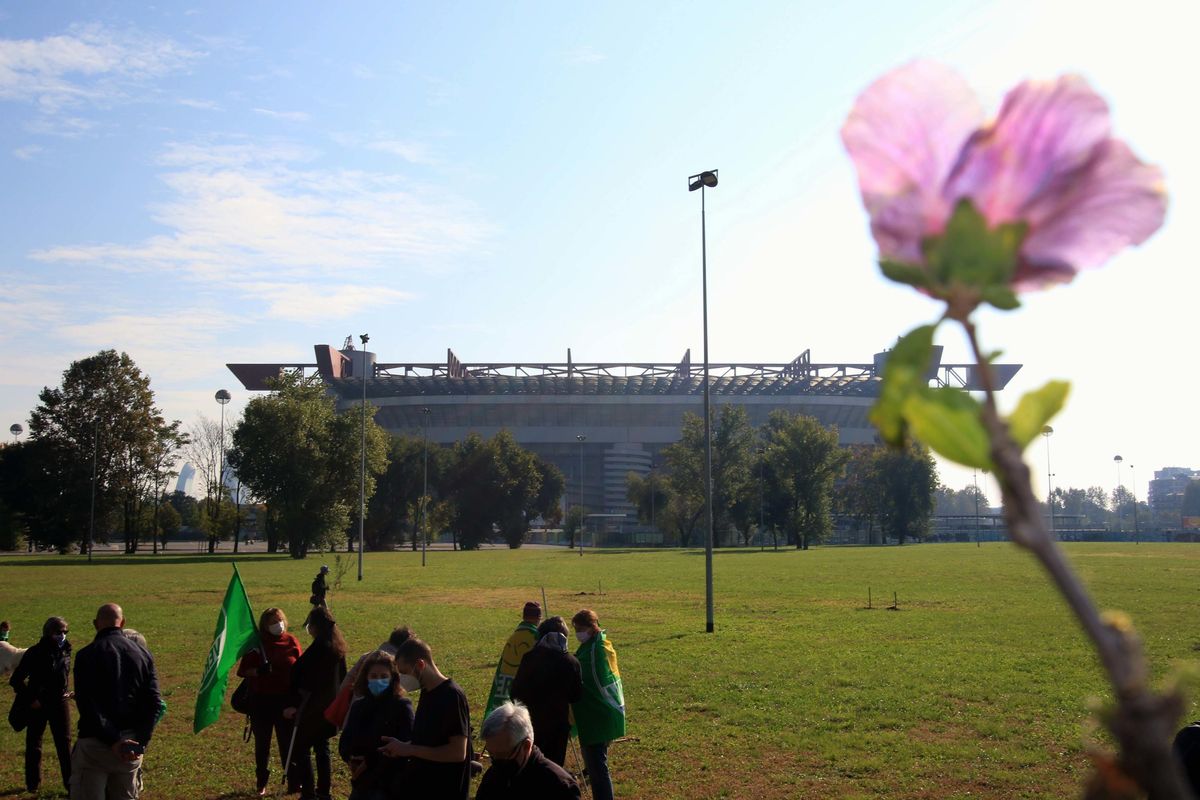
{"x":979,"y":686}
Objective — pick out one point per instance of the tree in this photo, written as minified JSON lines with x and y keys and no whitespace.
{"x":496,"y":485}
{"x":395,"y":507}
{"x":573,"y":524}
{"x":803,"y":460}
{"x":208,"y":440}
{"x":906,"y":479}
{"x":857,"y":496}
{"x":104,"y":410}
{"x":650,"y":495}
{"x":299,"y":456}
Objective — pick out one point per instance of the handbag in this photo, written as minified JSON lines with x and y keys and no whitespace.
{"x":18,"y":715}
{"x":243,"y":697}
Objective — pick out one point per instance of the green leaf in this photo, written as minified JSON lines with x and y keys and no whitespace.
{"x":903,"y":374}
{"x":970,"y":254}
{"x":900,"y":272}
{"x":949,"y":422}
{"x":1035,"y":409}
{"x":1001,"y":297}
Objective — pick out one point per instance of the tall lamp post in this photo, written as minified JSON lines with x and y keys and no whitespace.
{"x":762,"y":541}
{"x":975,"y":482}
{"x":582,"y":515}
{"x":702,"y":181}
{"x":1133,"y":489}
{"x":1047,"y":432}
{"x":92,"y":508}
{"x":16,"y":430}
{"x":424,"y":483}
{"x":362,"y":472}
{"x":222,"y":397}
{"x":1117,"y":497}
{"x":653,"y":479}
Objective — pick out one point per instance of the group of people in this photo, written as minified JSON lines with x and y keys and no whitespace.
{"x":301,"y":697}
{"x":116,"y":698}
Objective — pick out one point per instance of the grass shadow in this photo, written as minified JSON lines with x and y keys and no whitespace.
{"x":146,"y":560}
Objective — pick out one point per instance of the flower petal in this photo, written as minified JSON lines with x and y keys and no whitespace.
{"x":904,"y":135}
{"x":1110,"y":203}
{"x":1045,"y":131}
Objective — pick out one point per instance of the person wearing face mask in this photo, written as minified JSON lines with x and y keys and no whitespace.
{"x":316,"y":676}
{"x":600,"y":713}
{"x":547,"y":683}
{"x":384,"y":710}
{"x":40,"y":681}
{"x":519,"y":769}
{"x":439,"y":749}
{"x":268,"y":668}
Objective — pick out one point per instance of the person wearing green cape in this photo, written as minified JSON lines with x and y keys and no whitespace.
{"x":519,"y":643}
{"x":600,"y":713}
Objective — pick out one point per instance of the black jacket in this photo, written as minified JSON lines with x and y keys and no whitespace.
{"x":116,"y":689}
{"x":371,"y":718}
{"x":547,"y":682}
{"x":43,"y":672}
{"x":540,"y":778}
{"x":319,"y":587}
{"x":316,"y":676}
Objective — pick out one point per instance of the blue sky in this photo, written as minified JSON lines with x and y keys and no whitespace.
{"x":240,"y":181}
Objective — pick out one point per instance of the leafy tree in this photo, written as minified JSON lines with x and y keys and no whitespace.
{"x":299,"y":456}
{"x":573,"y":524}
{"x":104,"y":407}
{"x":857,"y":496}
{"x":906,"y":479}
{"x":803,"y":460}
{"x":169,"y":523}
{"x":732,"y":470}
{"x":395,"y":508}
{"x":650,"y":495}
{"x":496,"y":484}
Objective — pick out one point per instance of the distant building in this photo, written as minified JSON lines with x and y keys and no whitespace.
{"x":1167,"y":488}
{"x":597,"y":422}
{"x":187,"y":476}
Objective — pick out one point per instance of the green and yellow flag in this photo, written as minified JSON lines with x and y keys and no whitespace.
{"x":521,"y":642}
{"x":235,"y":636}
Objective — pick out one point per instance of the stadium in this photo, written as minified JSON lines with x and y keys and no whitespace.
{"x":597,"y":421}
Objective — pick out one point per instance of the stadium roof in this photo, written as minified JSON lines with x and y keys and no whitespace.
{"x":798,"y":377}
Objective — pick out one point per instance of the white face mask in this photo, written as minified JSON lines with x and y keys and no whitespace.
{"x":583,"y":636}
{"x":409,"y":683}
{"x":276,"y":628}
{"x":308,"y":630}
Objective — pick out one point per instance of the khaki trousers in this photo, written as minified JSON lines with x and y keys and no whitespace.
{"x":97,"y":773}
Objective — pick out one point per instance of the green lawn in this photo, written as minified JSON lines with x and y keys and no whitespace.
{"x":980,"y":685}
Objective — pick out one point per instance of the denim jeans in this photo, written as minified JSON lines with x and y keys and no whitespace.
{"x":595,"y":758}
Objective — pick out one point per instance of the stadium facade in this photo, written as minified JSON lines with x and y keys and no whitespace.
{"x":597,"y":421}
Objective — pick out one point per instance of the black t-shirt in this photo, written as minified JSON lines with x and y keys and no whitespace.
{"x":442,"y":714}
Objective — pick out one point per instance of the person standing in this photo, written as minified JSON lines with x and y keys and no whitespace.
{"x":116,"y":693}
{"x":383,"y":710}
{"x":547,"y":683}
{"x":600,"y":713}
{"x":315,"y":678}
{"x":320,"y":588}
{"x":40,"y":681}
{"x":519,"y":769}
{"x":520,"y":642}
{"x":440,"y":752}
{"x":268,"y":668}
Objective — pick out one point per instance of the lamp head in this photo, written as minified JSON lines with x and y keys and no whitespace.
{"x":708,"y":179}
{"x":364,"y":338}
{"x":16,"y":429}
{"x":1118,"y":459}
{"x":222,"y":396}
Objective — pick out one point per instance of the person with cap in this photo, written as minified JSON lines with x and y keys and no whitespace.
{"x":548,"y":682}
{"x":519,"y":643}
{"x":320,"y":588}
{"x":40,"y":681}
{"x":519,"y":769}
{"x":116,"y":693}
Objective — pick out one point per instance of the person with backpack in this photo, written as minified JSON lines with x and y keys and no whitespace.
{"x":315,"y":678}
{"x":547,"y":683}
{"x":320,"y":588}
{"x":268,"y":671}
{"x":40,"y":681}
{"x":600,"y":712}
{"x":383,"y":710}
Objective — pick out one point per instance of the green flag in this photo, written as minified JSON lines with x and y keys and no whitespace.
{"x":235,"y":636}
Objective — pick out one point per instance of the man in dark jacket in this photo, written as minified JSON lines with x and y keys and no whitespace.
{"x":40,"y":681}
{"x":116,"y":692}
{"x":320,"y":588}
{"x":547,"y":682}
{"x":519,"y":770}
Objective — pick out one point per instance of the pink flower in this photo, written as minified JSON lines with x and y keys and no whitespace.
{"x":917,"y":138}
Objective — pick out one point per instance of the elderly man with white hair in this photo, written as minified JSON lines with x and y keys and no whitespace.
{"x":519,"y":770}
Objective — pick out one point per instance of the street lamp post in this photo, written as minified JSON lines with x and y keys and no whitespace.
{"x":653,"y":491}
{"x":582,"y":514}
{"x":702,"y":181}
{"x":222,"y":397}
{"x":92,"y":509}
{"x":1117,"y":496}
{"x":975,"y":482}
{"x":1047,"y":432}
{"x":424,"y":483}
{"x":1133,"y":489}
{"x":362,"y":472}
{"x":762,"y":542}
{"x":16,"y":430}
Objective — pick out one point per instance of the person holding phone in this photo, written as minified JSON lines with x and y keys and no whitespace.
{"x":116,"y":693}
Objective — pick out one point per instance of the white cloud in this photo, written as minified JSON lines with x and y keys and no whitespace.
{"x":585,"y":54}
{"x":302,"y":301}
{"x":28,"y":151}
{"x":90,"y":64}
{"x":200,"y":105}
{"x":412,"y":152}
{"x":289,"y":116}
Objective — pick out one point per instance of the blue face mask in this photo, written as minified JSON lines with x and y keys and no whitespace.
{"x":379,"y":685}
{"x":60,"y":639}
